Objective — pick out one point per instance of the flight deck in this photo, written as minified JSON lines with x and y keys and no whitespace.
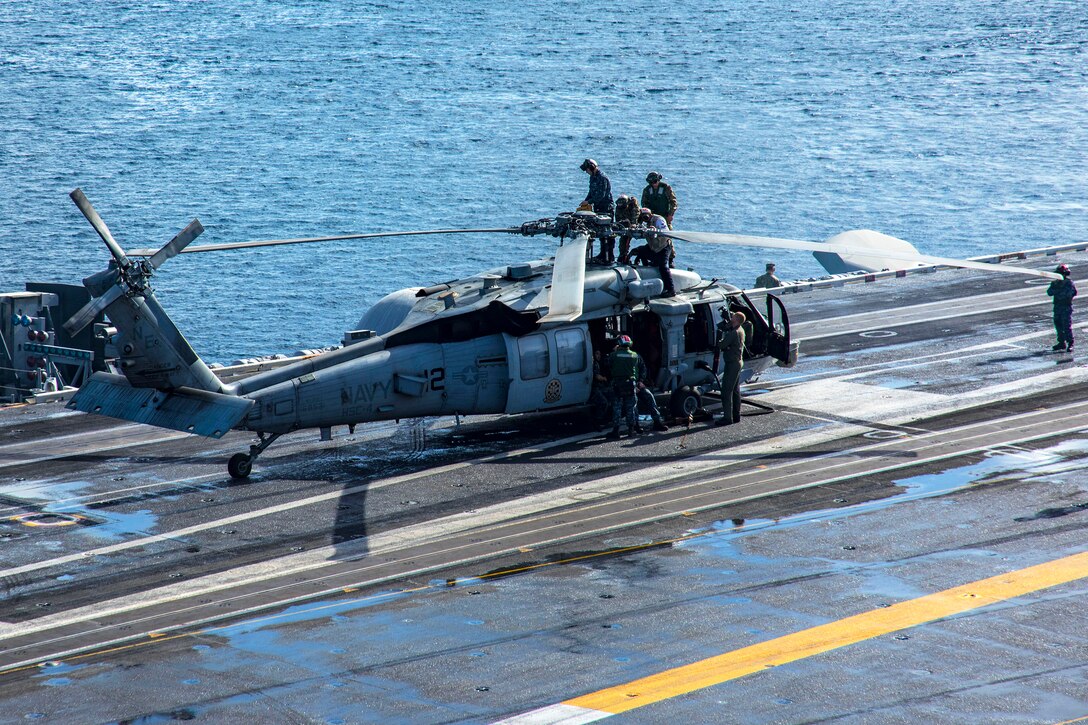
{"x":894,"y":533}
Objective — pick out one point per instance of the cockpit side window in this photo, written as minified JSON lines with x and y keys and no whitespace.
{"x":699,"y":330}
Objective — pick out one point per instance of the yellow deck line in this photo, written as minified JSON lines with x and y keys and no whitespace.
{"x":833,"y":635}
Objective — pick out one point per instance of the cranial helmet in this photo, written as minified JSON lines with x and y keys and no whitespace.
{"x":588,"y":164}
{"x":624,"y":341}
{"x":644,"y":213}
{"x":652,"y":177}
{"x":1063,"y":269}
{"x":623,"y":200}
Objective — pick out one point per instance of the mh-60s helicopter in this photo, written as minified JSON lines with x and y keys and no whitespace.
{"x":514,"y":339}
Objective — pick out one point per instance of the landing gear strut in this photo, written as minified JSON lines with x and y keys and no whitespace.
{"x":240,"y":465}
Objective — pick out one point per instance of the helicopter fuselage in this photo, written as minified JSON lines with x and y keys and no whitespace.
{"x":481,"y":361}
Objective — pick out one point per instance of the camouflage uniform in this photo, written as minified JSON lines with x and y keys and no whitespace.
{"x":627,"y":217}
{"x":661,"y":200}
{"x":1063,"y":291}
{"x":768,"y":280}
{"x":600,"y":198}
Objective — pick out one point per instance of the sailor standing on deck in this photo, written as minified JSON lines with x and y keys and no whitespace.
{"x":768,"y":279}
{"x":600,"y":189}
{"x":1063,"y":291}
{"x":623,"y":365}
{"x":730,"y":344}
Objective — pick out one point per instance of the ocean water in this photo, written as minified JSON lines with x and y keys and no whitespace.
{"x":960,"y":126}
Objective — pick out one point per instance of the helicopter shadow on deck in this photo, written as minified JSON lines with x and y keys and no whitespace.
{"x":416,"y":446}
{"x":413,"y":447}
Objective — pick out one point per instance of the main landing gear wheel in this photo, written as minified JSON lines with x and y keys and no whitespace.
{"x":686,"y":403}
{"x":240,"y":465}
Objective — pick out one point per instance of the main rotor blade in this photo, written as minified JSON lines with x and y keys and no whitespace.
{"x":89,"y":311}
{"x":311,"y":240}
{"x":84,"y":205}
{"x":743,"y":240}
{"x":568,"y":281}
{"x":177,"y":244}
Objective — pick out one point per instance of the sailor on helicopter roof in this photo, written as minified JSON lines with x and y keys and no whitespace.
{"x":658,"y":250}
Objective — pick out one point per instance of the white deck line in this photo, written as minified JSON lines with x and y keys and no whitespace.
{"x":558,"y":714}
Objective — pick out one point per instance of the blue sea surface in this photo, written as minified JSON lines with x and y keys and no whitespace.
{"x":960,"y":126}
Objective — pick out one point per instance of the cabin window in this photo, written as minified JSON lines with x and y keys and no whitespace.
{"x":533,"y":351}
{"x":699,"y":332}
{"x":570,"y":346}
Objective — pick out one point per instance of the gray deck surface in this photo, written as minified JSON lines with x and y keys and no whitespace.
{"x":424,"y":572}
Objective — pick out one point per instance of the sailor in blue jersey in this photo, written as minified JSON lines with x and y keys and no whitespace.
{"x":599,"y":199}
{"x":1063,"y":291}
{"x":600,"y":190}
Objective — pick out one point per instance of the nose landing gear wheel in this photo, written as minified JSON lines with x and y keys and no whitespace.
{"x":240,"y":465}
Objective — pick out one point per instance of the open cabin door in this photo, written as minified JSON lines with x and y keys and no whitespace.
{"x":770,"y":335}
{"x":550,"y":368}
{"x":778,"y":341}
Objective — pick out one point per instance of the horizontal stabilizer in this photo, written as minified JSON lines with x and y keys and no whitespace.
{"x":185,"y":409}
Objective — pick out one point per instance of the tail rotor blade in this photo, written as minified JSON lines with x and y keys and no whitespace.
{"x":178,"y":243}
{"x":84,"y":205}
{"x":92,"y":309}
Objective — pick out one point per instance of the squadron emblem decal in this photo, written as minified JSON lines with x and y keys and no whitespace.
{"x":553,"y":392}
